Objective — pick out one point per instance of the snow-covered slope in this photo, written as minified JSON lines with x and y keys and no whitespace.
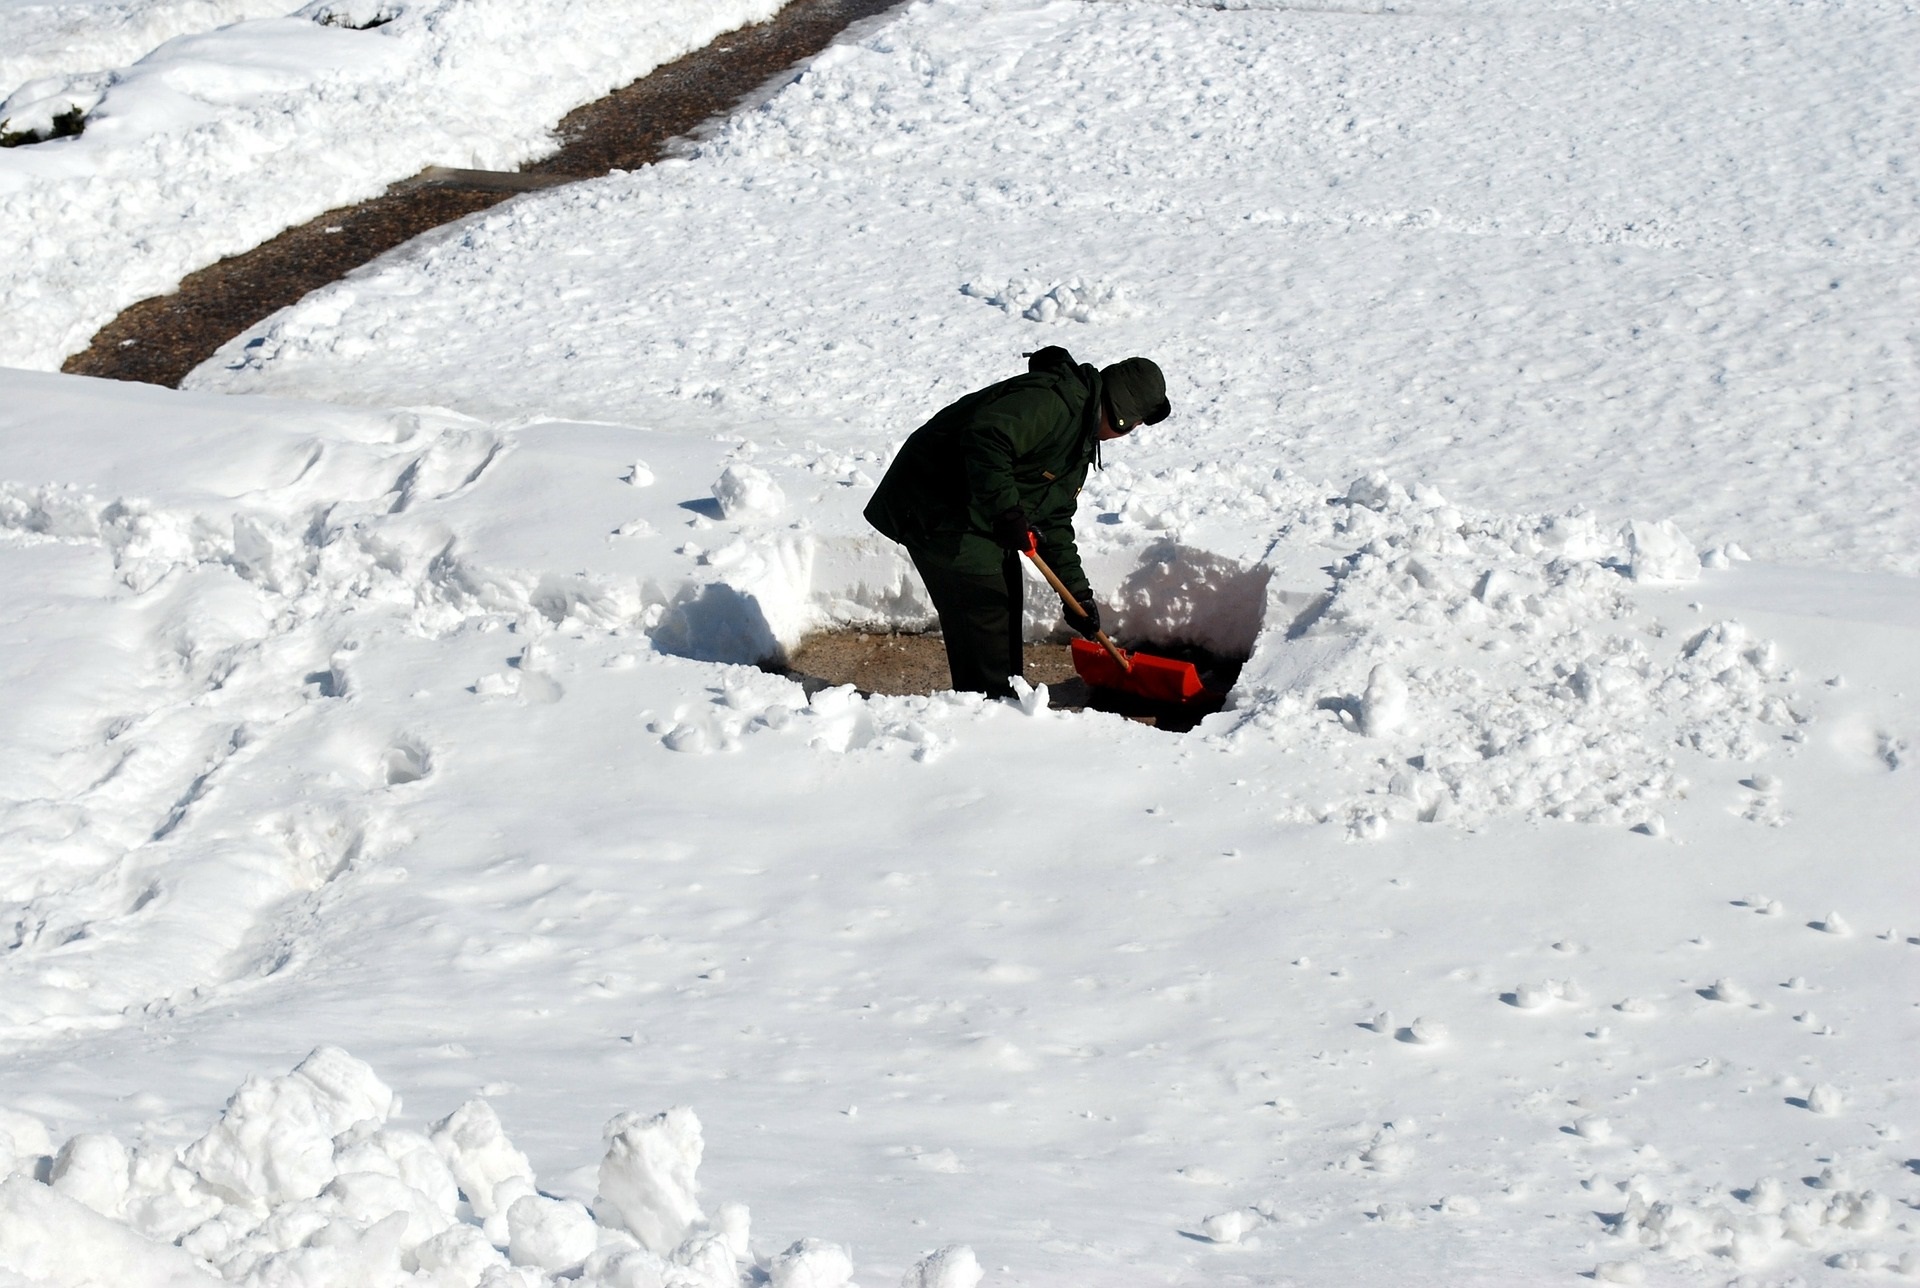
{"x":217,"y":140}
{"x":1540,"y":907}
{"x":1655,"y":259}
{"x":320,"y":707}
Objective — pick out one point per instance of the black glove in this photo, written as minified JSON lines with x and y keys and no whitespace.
{"x":1088,"y":626}
{"x":1011,"y":530}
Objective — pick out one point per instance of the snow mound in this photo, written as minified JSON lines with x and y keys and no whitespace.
{"x":1751,"y":1227}
{"x":1473,"y":664}
{"x":1033,"y":300}
{"x":304,"y":1182}
{"x":745,"y":492}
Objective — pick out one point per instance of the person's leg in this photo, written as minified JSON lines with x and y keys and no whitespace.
{"x":1014,"y":598}
{"x":980,"y":622}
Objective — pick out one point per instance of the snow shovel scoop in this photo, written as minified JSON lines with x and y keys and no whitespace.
{"x":1105,"y":665}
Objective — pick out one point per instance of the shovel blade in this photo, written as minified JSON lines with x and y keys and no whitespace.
{"x":1158,"y":678}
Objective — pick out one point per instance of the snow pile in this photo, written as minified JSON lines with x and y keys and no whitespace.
{"x":1073,"y":301}
{"x":1487,"y":664}
{"x":218,"y":140}
{"x":306,"y":1182}
{"x":1749,"y":1228}
{"x":745,"y":492}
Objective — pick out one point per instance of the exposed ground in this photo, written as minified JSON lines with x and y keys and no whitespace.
{"x":904,"y":664}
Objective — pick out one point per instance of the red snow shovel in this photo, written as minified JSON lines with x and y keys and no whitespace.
{"x":1105,"y":665}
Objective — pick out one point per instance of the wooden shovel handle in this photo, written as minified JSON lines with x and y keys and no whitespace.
{"x":1066,"y":596}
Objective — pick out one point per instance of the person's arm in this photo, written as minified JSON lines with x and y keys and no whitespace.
{"x":1057,"y":547}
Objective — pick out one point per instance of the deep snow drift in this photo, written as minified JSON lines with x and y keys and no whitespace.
{"x":1541,"y":906}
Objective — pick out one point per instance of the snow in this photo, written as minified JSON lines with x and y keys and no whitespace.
{"x":48,"y":39}
{"x":208,"y":143}
{"x":1540,"y":906}
{"x":1676,"y":243}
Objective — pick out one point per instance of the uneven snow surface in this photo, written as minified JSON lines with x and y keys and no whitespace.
{"x":59,"y":37}
{"x":218,"y":139}
{"x":1679,"y":242}
{"x":1542,"y":904}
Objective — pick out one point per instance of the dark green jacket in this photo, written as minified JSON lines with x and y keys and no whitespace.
{"x":1026,"y":442}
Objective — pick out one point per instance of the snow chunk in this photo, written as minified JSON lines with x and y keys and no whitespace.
{"x":953,"y":1266}
{"x":1728,"y":991}
{"x":54,"y":1241}
{"x":274,"y":1143}
{"x":1824,"y":1098}
{"x":554,"y":1235}
{"x":1383,"y":707}
{"x":812,"y":1263}
{"x":490,"y":1171}
{"x":1231,"y":1227}
{"x":459,"y":1254}
{"x":93,"y":1169}
{"x":647,"y":1184}
{"x":23,"y":1143}
{"x":1659,"y":553}
{"x":747,"y":492}
{"x":346,"y":1090}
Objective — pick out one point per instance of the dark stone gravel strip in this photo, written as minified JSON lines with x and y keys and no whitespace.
{"x":160,"y":340}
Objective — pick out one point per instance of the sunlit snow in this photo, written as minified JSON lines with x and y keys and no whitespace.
{"x":407,"y":875}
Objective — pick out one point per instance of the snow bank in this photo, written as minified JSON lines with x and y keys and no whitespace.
{"x":304,"y":1182}
{"x":217,"y":140}
{"x":1501,"y":664}
{"x":67,"y":36}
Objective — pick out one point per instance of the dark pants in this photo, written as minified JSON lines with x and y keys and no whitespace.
{"x":980,"y":618}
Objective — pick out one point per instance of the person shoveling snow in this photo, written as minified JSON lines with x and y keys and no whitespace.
{"x":998,"y":474}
